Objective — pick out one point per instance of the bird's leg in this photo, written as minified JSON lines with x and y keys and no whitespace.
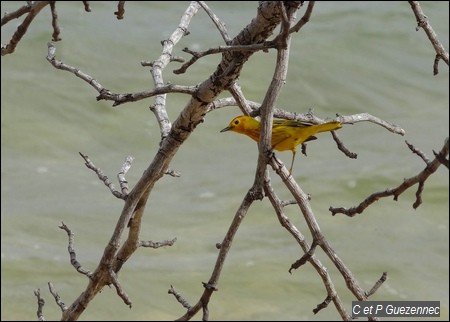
{"x":292,"y":162}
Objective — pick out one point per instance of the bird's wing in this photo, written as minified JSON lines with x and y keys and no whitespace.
{"x":292,"y":123}
{"x":280,"y":140}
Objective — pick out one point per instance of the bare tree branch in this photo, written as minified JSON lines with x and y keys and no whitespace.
{"x":377,"y":285}
{"x":219,"y":24}
{"x":55,"y":24}
{"x":104,"y":178}
{"x":422,"y":22}
{"x":277,"y":204}
{"x":305,"y":18}
{"x":203,"y":99}
{"x":41,"y":303}
{"x":225,"y":246}
{"x":179,"y":298}
{"x":121,"y":175}
{"x":119,"y":289}
{"x":221,"y":49}
{"x":396,"y":192}
{"x":120,"y":10}
{"x":73,"y":256}
{"x":151,"y":244}
{"x":87,"y":6}
{"x":57,"y":298}
{"x":33,"y":10}
{"x":16,"y":14}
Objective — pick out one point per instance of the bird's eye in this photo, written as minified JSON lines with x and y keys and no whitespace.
{"x":236,"y":122}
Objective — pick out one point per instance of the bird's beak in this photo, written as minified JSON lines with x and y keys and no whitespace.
{"x":226,"y":129}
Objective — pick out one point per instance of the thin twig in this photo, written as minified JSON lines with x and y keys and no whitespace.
{"x":219,"y":24}
{"x":41,"y":303}
{"x":377,"y":285}
{"x":306,"y":17}
{"x":418,"y":152}
{"x":73,"y":256}
{"x":102,"y":177}
{"x":57,"y":298}
{"x":221,"y":49}
{"x":121,"y":175}
{"x":322,"y":305}
{"x":442,"y":158}
{"x":342,"y":147}
{"x":124,"y":296}
{"x":151,"y":244}
{"x":179,"y":298}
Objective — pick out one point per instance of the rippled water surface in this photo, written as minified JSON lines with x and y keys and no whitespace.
{"x":352,"y":57}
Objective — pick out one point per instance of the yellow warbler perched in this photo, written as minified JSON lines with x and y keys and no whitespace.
{"x":286,"y":134}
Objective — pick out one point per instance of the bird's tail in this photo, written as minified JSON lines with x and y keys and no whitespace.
{"x":330,"y":126}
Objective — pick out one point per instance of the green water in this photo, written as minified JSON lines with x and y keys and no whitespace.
{"x":352,"y":57}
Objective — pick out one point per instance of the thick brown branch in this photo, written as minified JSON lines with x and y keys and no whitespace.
{"x":120,"y":10}
{"x":16,"y":14}
{"x":87,"y":6}
{"x":55,"y":24}
{"x":34,"y":9}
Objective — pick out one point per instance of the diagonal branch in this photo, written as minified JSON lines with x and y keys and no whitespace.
{"x":423,"y":23}
{"x":219,"y":24}
{"x":57,"y":298}
{"x":104,"y":178}
{"x":419,"y":179}
{"x":315,"y":262}
{"x":225,"y":247}
{"x":33,"y":9}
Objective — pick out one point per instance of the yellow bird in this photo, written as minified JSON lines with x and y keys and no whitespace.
{"x":286,"y":134}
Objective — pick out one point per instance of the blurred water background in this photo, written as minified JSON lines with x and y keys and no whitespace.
{"x":352,"y":57}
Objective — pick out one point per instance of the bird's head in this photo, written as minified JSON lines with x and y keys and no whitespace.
{"x":242,"y":124}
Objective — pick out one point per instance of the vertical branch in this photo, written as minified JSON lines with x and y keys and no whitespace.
{"x":159,"y":108}
{"x":268,"y":104}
